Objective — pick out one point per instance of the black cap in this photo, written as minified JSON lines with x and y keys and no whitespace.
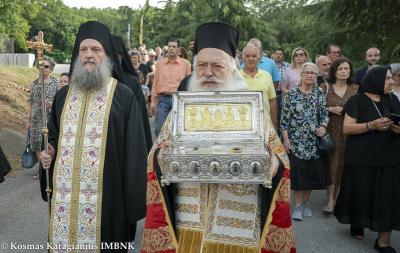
{"x":216,"y":35}
{"x":100,"y":32}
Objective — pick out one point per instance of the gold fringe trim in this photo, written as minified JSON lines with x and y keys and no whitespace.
{"x":215,"y":247}
{"x":189,"y":240}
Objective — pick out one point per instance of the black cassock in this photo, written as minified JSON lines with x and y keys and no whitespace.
{"x":4,"y":165}
{"x":133,"y":83}
{"x":124,"y":175}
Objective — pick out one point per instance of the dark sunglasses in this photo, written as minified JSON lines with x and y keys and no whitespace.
{"x":46,"y":66}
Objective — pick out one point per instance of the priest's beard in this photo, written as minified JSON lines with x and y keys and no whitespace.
{"x":233,"y":82}
{"x":91,"y":79}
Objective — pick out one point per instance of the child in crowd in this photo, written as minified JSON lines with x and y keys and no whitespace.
{"x":64,"y":79}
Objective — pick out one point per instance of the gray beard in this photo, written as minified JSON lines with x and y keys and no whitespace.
{"x":234,"y":82}
{"x":93,"y":79}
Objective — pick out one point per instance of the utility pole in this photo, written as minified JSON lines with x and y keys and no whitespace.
{"x":128,"y":34}
{"x":141,"y":26}
{"x":141,"y":23}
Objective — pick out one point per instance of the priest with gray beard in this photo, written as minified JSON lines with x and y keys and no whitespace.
{"x":248,"y":218}
{"x":97,"y":152}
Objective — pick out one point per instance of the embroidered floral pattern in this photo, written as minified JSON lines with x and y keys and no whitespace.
{"x":153,"y":195}
{"x":79,"y":166}
{"x":237,"y":206}
{"x":279,"y":239}
{"x":158,"y":239}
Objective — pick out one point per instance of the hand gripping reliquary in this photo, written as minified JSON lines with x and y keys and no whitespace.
{"x":217,"y":137}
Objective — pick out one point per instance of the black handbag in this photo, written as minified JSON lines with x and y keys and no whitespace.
{"x":29,"y":158}
{"x":324,"y":143}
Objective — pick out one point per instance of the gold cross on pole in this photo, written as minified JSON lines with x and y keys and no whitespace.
{"x":39,"y":45}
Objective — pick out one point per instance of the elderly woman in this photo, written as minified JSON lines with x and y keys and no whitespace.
{"x":369,"y":196}
{"x":34,"y":119}
{"x":302,"y":106}
{"x":291,"y":77}
{"x":395,"y":67}
{"x":342,"y":87}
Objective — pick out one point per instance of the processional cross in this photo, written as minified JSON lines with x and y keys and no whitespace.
{"x":40,"y":46}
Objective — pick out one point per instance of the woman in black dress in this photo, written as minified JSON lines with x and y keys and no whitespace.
{"x":370,"y":190}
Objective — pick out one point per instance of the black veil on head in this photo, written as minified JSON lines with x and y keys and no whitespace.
{"x":125,"y":60}
{"x":374,"y":80}
{"x":100,"y":32}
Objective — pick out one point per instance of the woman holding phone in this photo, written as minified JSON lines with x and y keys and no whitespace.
{"x":370,"y":190}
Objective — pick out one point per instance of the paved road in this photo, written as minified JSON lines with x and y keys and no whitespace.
{"x":23,"y":221}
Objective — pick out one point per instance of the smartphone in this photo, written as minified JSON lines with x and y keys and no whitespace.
{"x":395,"y":118}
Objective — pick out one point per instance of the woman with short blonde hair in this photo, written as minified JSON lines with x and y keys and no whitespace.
{"x":291,"y":77}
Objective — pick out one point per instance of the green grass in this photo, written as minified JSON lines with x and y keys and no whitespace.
{"x":19,"y":75}
{"x":14,"y":102}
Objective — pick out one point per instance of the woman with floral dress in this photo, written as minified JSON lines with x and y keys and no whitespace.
{"x":300,"y":128}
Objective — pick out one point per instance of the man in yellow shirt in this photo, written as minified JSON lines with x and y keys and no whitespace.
{"x":259,"y":80}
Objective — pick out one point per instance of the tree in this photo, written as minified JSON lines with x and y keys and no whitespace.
{"x":12,"y":21}
{"x":364,"y":23}
{"x":312,"y":24}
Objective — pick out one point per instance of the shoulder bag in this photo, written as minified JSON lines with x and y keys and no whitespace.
{"x":29,"y":158}
{"x":324,"y":143}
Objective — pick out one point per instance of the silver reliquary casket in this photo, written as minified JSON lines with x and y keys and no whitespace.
{"x":217,"y":137}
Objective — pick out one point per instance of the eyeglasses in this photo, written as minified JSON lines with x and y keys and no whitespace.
{"x":299,"y":55}
{"x":46,"y":66}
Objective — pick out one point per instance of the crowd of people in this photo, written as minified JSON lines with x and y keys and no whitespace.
{"x":295,"y":93}
{"x":358,"y":110}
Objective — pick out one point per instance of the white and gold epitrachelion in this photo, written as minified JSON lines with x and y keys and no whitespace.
{"x":78,"y":172}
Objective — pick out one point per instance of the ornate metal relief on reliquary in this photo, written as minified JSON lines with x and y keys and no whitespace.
{"x":217,"y":137}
